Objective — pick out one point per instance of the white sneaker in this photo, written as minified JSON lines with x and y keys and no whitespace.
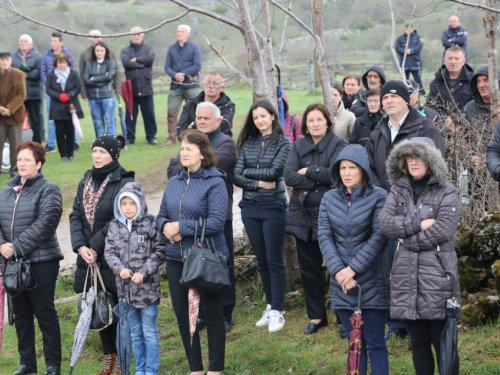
{"x":276,"y":320}
{"x":264,"y":321}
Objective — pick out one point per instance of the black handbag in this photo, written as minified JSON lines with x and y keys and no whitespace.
{"x":102,"y":311}
{"x":18,"y":276}
{"x":205,"y":269}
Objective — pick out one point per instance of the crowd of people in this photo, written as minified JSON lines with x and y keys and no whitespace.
{"x":370,"y":196}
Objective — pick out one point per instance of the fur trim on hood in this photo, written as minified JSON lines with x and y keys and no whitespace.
{"x":431,"y":155}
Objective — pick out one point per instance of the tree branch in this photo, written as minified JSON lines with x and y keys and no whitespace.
{"x":393,"y":34}
{"x":294,"y":17}
{"x":282,"y":43}
{"x":475,"y":5}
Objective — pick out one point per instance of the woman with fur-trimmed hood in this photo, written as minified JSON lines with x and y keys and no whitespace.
{"x":421,"y":212}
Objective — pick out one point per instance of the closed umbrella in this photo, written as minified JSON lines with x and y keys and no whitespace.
{"x":355,"y":341}
{"x":82,"y":328}
{"x":448,"y":361}
{"x":122,"y":119}
{"x":76,"y":123}
{"x":128,"y":96}
{"x":2,"y":310}
{"x":194,"y":309}
{"x":123,"y":336}
{"x":279,"y":92}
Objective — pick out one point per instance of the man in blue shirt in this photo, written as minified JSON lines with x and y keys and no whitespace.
{"x":183,"y":65}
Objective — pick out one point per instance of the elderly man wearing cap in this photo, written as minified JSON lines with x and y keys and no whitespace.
{"x":12,"y":95}
{"x":402,"y":122}
{"x":94,"y":37}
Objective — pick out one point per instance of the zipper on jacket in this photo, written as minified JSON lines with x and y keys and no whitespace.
{"x":180,"y":208}
{"x":98,"y":66}
{"x":14,"y":216}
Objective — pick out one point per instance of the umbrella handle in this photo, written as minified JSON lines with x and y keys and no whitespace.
{"x":359,"y":296}
{"x":279,"y":73}
{"x":454,"y":277}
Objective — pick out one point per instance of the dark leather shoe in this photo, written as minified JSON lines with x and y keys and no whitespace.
{"x":53,"y":370}
{"x":153,"y":142}
{"x":200,"y":324}
{"x":25,"y":369}
{"x":343,"y":333}
{"x":229,"y":326}
{"x":313,"y":327}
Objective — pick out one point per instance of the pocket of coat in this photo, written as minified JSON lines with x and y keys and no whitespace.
{"x":440,"y":262}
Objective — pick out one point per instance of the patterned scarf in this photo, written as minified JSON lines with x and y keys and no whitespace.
{"x":62,"y":76}
{"x":91,"y":198}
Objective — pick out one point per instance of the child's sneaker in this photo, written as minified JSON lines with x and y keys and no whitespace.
{"x":276,"y":320}
{"x":264,"y":321}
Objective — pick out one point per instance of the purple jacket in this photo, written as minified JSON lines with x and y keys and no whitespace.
{"x":48,"y":59}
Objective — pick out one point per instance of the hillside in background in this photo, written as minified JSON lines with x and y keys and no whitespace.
{"x":357,"y":32}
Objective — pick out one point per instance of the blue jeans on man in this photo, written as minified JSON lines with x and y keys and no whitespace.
{"x":145,"y":339}
{"x":51,"y":140}
{"x":103,"y":115}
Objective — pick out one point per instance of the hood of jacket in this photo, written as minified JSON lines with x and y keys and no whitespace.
{"x":202,"y":173}
{"x":356,"y":154}
{"x":133,"y":191}
{"x":482,"y":71}
{"x":465,"y":75}
{"x":373,"y":68}
{"x":430,"y":154}
{"x":284,"y":97}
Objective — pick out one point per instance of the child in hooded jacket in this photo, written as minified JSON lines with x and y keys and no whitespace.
{"x":134,"y":251}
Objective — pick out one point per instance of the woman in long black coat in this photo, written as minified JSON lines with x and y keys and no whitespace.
{"x":308,"y":170}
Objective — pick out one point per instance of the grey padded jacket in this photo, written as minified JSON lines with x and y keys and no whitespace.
{"x":419,"y":285}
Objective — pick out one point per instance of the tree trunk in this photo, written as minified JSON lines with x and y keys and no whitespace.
{"x":268,"y":55}
{"x":490,"y":24}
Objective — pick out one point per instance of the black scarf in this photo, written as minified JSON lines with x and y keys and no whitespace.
{"x":418,"y":186}
{"x":98,"y":175}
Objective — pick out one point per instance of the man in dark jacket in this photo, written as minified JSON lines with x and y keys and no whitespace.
{"x":408,"y":46}
{"x":94,"y":37}
{"x":455,"y":35}
{"x":365,"y":124}
{"x":373,"y":79}
{"x":208,"y":120}
{"x":183,"y":65}
{"x":12,"y":95}
{"x":29,"y":62}
{"x":402,"y":122}
{"x":138,"y":59}
{"x":214,"y":93}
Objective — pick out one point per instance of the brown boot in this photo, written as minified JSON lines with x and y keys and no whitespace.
{"x":109,"y":364}
{"x":172,"y":124}
{"x":116,"y":369}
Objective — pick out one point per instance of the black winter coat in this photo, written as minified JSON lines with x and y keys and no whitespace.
{"x":59,"y":110}
{"x":225,"y":105}
{"x":413,"y":60}
{"x":82,"y":235}
{"x":364,"y":126}
{"x":349,"y":235}
{"x":440,"y":88}
{"x":32,"y":67}
{"x":250,"y":169}
{"x":225,"y":150}
{"x":101,"y":84}
{"x":379,"y":145}
{"x":34,"y":216}
{"x":139,"y":71}
{"x":493,"y":156}
{"x":308,"y":190}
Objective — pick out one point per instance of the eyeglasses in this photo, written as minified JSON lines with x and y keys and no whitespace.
{"x":411,"y":158}
{"x":373,"y":101}
{"x":214,"y":85}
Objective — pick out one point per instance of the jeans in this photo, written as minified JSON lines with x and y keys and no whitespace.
{"x":51,"y":140}
{"x":147,"y":105}
{"x":145,"y":339}
{"x":373,"y":342}
{"x":103,"y":115}
{"x":265,"y":226}
{"x":216,"y":331}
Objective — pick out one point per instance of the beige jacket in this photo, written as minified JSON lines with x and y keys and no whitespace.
{"x":343,"y":122}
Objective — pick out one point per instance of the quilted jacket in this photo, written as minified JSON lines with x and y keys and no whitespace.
{"x":187,"y":197}
{"x":349,"y":235}
{"x":137,"y":245}
{"x":250,"y":168}
{"x":419,"y":285}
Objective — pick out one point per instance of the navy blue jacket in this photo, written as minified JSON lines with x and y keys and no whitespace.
{"x":349,"y":235}
{"x":415,"y":44}
{"x":48,"y":60}
{"x":187,"y":60}
{"x":187,"y":197}
{"x":458,"y":37}
{"x":32,"y":68}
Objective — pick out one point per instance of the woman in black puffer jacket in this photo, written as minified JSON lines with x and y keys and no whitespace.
{"x":263,"y":150}
{"x":31,"y":208}
{"x":93,"y":211}
{"x":308,"y":170}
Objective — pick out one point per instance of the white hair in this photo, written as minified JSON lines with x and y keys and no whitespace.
{"x":135,"y":29}
{"x":94,"y":33}
{"x":26,"y":36}
{"x":209,"y":105}
{"x":187,"y":27}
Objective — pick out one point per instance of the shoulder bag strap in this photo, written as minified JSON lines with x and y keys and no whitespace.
{"x":97,"y":274}
{"x":201,"y":221}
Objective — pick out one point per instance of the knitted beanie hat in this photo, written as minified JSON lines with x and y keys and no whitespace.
{"x":395,"y":87}
{"x":111,"y":143}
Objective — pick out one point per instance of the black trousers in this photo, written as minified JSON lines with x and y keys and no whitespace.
{"x":216,"y":331}
{"x":33,"y":109}
{"x":147,"y":105}
{"x":39,"y":303}
{"x":65,"y":135}
{"x":425,"y":334}
{"x":313,"y":277}
{"x":417,"y":76}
